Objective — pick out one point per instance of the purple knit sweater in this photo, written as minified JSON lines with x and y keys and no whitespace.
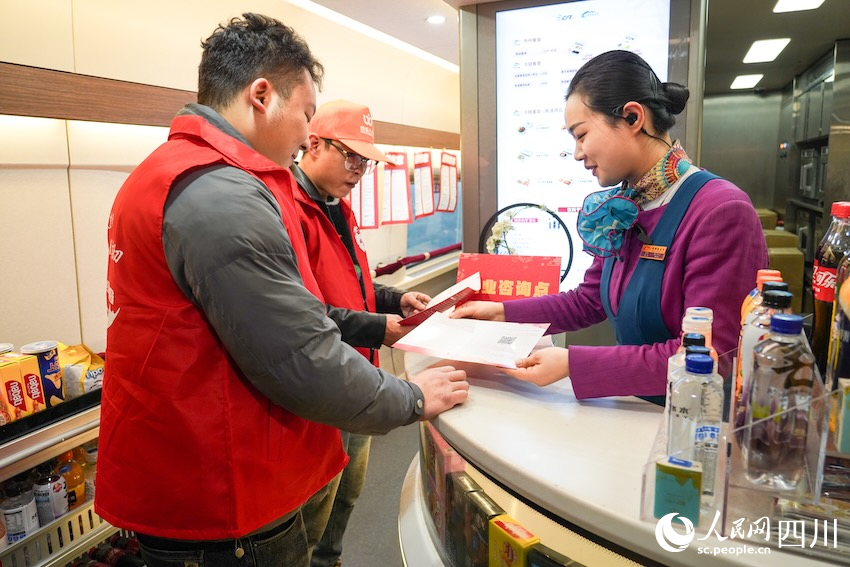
{"x":712,"y":262}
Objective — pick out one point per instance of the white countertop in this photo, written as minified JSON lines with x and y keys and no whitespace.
{"x":581,"y":460}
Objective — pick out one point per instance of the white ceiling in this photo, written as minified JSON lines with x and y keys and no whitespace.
{"x":405,"y":20}
{"x":732,"y":27}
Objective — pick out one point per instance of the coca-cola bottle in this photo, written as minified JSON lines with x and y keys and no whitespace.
{"x":87,"y":562}
{"x":830,"y":251}
{"x":130,"y":544}
{"x":115,"y":557}
{"x":838,"y":363}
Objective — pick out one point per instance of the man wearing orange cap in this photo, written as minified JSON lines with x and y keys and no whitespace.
{"x":221,"y":356}
{"x":340,"y":150}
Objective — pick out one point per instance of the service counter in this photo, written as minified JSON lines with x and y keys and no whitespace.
{"x":570,"y":471}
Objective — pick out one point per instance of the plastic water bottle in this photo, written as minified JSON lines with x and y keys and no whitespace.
{"x":709,"y":423}
{"x":686,"y":406}
{"x":677,"y":361}
{"x":753,"y":333}
{"x":778,"y":405}
{"x":19,"y":512}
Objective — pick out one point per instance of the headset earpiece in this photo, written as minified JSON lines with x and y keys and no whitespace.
{"x":631,"y":118}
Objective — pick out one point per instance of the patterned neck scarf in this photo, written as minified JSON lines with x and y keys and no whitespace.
{"x":661,"y":177}
{"x":606,"y":216}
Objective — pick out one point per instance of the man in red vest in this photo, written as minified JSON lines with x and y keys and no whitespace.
{"x":226,"y":384}
{"x":339,"y":152}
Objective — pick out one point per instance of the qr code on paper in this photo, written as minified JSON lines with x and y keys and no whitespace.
{"x":507,"y":340}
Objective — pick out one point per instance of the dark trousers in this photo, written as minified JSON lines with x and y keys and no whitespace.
{"x":282,"y":546}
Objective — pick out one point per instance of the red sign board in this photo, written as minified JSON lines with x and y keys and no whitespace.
{"x":505,"y":277}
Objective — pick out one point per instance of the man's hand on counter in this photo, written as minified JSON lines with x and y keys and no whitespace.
{"x":487,"y":310}
{"x":443,"y":387}
{"x":542,"y":367}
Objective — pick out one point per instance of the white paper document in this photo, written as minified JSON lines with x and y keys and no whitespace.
{"x":470,"y":340}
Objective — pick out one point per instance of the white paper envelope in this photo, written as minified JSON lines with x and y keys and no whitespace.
{"x":470,"y":340}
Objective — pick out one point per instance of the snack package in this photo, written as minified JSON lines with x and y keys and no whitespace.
{"x":458,"y":524}
{"x":15,"y":403}
{"x":82,"y":370}
{"x":480,"y":509}
{"x":446,"y":461}
{"x":31,"y":379}
{"x":509,"y":542}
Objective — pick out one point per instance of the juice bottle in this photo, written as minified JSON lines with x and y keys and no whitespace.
{"x":751,"y":334}
{"x":80,"y":457}
{"x":75,"y":482}
{"x":754,"y":297}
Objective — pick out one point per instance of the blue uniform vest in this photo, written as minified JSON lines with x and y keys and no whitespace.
{"x":639,"y":320}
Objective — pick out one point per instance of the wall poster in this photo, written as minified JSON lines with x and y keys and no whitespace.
{"x":538,"y":50}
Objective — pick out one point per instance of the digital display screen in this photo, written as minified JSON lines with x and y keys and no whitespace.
{"x":538,"y":50}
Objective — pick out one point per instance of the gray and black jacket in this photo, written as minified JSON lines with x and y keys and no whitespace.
{"x":229,"y":252}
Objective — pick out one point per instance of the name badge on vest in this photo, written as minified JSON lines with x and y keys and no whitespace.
{"x":653,"y":252}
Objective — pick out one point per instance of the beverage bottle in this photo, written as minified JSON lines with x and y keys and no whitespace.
{"x":738,"y":378}
{"x":130,"y":544}
{"x":685,"y":406}
{"x":757,"y":310}
{"x":675,"y":367}
{"x":74,"y":479}
{"x":706,"y":312}
{"x":88,"y":562}
{"x":777,"y":409}
{"x":755,"y":294}
{"x":830,"y":251}
{"x":702,"y":325}
{"x":19,"y":512}
{"x":115,"y":557}
{"x":106,"y":554}
{"x":679,"y":372}
{"x":751,"y":334}
{"x":90,"y":470}
{"x":4,"y":541}
{"x":25,"y":479}
{"x":51,"y":495}
{"x":130,"y":560}
{"x":80,"y":457}
{"x":838,"y":355}
{"x":709,"y":425}
{"x":677,"y":361}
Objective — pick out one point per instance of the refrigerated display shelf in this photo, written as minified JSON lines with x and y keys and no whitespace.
{"x":60,"y":541}
{"x":29,"y":450}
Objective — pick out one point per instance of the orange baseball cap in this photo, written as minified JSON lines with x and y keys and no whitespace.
{"x":349,"y":123}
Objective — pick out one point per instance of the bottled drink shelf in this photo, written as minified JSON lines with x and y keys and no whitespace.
{"x":25,"y":452}
{"x":61,"y":541}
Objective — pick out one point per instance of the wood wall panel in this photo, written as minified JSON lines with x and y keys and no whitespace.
{"x":30,"y":91}
{"x":400,"y":135}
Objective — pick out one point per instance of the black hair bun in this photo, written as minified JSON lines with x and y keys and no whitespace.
{"x":677,"y":97}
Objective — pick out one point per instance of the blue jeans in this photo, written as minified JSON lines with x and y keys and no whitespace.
{"x":283,"y":546}
{"x":326,"y":515}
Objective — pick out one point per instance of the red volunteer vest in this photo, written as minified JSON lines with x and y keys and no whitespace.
{"x":331,"y":263}
{"x":189,"y":449}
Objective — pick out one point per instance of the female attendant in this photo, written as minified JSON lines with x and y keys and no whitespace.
{"x":670,"y":236}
